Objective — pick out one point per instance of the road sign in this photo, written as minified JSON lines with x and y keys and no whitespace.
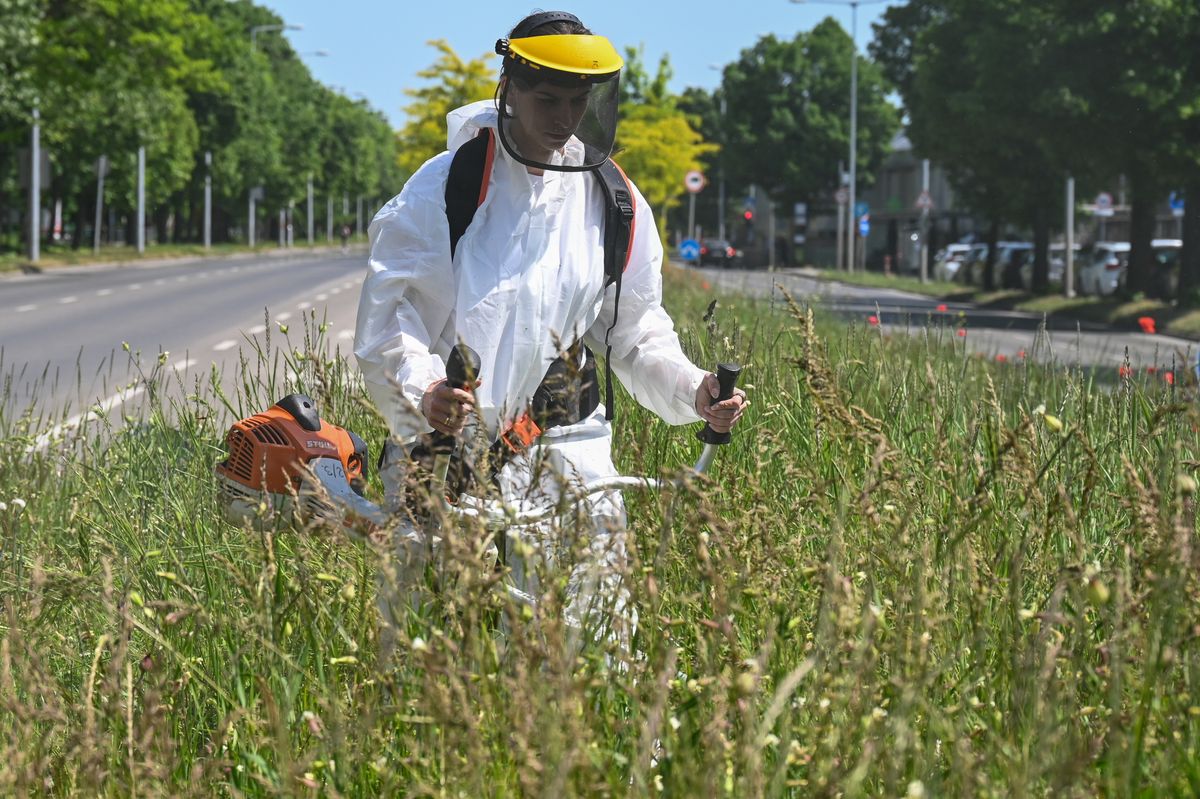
{"x":689,"y":249}
{"x":257,"y":193}
{"x":842,"y":196}
{"x":801,"y":214}
{"x":694,"y":181}
{"x":1104,"y":204}
{"x":864,"y":225}
{"x":924,"y":201}
{"x":861,"y":208}
{"x":1176,"y":203}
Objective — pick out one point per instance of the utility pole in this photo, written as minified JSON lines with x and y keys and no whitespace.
{"x":207,"y":199}
{"x":329,"y":220}
{"x":1069,"y":255}
{"x":141,"y":200}
{"x":310,"y":210}
{"x":101,"y":169}
{"x":250,"y":222}
{"x":358,"y":218}
{"x":925,"y":222}
{"x":35,"y":186}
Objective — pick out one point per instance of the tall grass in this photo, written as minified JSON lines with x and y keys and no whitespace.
{"x":912,"y":573}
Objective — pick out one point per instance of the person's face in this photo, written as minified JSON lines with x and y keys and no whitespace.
{"x":546,"y":115}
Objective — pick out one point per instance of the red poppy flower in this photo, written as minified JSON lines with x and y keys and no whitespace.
{"x":961,"y":332}
{"x":1151,"y":370}
{"x":1001,"y":357}
{"x":942,"y":308}
{"x":1169,"y":377}
{"x":1021,"y":354}
{"x":1124,"y":371}
{"x":1146,"y":323}
{"x":873,"y":319}
{"x":706,"y":285}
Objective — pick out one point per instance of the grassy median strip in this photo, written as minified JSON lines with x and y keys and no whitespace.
{"x":1123,"y":313}
{"x":913,"y":573}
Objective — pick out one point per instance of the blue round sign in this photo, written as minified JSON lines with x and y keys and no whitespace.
{"x":861,"y":209}
{"x":864,"y":225}
{"x":1176,"y":203}
{"x":689,"y":249}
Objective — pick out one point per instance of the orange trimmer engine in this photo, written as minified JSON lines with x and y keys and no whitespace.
{"x":289,"y":453}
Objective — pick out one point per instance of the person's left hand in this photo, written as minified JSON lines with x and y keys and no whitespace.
{"x":724,"y":415}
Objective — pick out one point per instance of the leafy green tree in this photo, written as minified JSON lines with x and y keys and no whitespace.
{"x":657,"y":143}
{"x":787,"y":114}
{"x":455,"y":83}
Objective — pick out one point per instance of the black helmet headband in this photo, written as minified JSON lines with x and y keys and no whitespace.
{"x":532,"y":23}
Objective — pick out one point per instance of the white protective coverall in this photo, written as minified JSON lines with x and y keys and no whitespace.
{"x":526,"y":280}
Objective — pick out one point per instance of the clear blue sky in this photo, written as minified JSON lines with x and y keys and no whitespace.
{"x":376,"y":47}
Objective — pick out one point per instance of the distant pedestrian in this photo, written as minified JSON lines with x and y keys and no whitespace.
{"x":345,"y":238}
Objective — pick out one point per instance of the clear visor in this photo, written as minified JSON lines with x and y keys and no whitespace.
{"x":566,"y":127}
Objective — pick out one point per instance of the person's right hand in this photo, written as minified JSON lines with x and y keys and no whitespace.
{"x":447,"y":409}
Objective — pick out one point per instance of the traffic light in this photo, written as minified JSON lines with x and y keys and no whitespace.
{"x":748,"y":215}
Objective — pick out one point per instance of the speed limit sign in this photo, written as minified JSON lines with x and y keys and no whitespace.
{"x":694,"y":181}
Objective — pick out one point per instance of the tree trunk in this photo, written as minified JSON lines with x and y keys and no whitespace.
{"x":989,"y":263}
{"x":1141,"y":231}
{"x":1041,"y":253}
{"x":1189,"y":259}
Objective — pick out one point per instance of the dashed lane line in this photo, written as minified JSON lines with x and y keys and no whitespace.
{"x":105,"y":406}
{"x":227,"y":344}
{"x":26,"y":308}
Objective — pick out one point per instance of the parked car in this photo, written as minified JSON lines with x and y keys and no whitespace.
{"x":948,"y":261}
{"x":1056,"y":268}
{"x":1166,"y":267}
{"x":976,"y":258}
{"x":1011,"y":257}
{"x":1104,"y":267}
{"x":718,"y":252}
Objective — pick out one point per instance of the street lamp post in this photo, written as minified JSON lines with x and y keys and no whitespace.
{"x":721,"y":166}
{"x":854,"y":4}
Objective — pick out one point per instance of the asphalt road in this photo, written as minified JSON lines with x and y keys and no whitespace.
{"x":1010,"y":335}
{"x":63,"y":332}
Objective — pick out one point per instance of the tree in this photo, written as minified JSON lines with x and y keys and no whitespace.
{"x":656,"y":141}
{"x":456,"y":83}
{"x":787,"y":114}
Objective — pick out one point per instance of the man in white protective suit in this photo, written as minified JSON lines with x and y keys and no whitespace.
{"x":525,"y":286}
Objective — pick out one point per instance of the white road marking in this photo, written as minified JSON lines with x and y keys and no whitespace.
{"x":322,"y":297}
{"x":103,"y":292}
{"x":283,"y":317}
{"x":26,"y":308}
{"x":135,"y":287}
{"x":336,"y":290}
{"x":181,"y":279}
{"x":102,"y":407}
{"x":254,"y":331}
{"x":67,"y":300}
{"x":227,"y":344}
{"x":345,"y":335}
{"x":160,"y":281}
{"x":304,"y":306}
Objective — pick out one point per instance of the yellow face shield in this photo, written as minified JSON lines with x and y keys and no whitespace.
{"x":558,"y":101}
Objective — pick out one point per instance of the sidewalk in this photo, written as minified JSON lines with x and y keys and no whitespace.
{"x":299,"y":251}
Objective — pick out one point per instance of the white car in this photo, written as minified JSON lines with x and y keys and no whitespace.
{"x":947,"y":262}
{"x":1103,"y":270}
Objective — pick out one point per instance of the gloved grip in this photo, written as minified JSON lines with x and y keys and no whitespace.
{"x":462,"y":369}
{"x":727,"y":377}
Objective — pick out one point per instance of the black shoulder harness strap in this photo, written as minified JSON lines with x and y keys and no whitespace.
{"x":466,"y":189}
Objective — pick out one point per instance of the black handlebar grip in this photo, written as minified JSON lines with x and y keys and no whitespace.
{"x":727,"y":377}
{"x":462,"y":369}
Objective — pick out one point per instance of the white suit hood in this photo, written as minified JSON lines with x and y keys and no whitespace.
{"x":464,"y":124}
